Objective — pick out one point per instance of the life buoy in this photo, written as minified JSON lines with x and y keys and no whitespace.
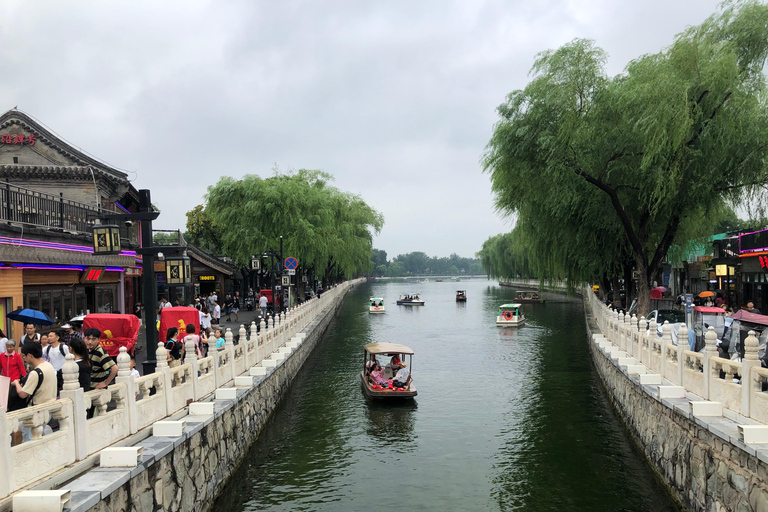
{"x":508,"y":315}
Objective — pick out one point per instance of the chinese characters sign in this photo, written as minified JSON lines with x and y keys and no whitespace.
{"x":764,"y":261}
{"x":19,"y":139}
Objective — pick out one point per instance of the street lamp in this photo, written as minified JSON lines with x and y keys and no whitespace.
{"x":106,"y":239}
{"x":178,"y":270}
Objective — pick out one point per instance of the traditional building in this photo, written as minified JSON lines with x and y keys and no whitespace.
{"x":50,"y":195}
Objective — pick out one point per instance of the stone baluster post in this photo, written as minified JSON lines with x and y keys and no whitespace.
{"x":627,"y":331}
{"x":666,"y":340}
{"x":162,"y":367}
{"x":261,"y":341}
{"x":254,"y":339}
{"x":619,"y":334}
{"x":229,"y":349}
{"x":214,"y":354}
{"x":190,"y":358}
{"x":273,"y":334}
{"x":682,"y":344}
{"x":633,"y":336}
{"x":7,"y":468}
{"x":652,"y":330}
{"x":124,"y":376}
{"x":286,"y":328}
{"x":243,"y":336}
{"x":750,"y":361}
{"x":72,"y":390}
{"x":710,"y":351}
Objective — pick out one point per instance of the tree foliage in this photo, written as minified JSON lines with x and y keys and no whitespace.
{"x":603,"y":172}
{"x":327,"y":230}
{"x":202,"y":231}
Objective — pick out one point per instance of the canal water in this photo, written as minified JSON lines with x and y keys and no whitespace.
{"x":506,"y":418}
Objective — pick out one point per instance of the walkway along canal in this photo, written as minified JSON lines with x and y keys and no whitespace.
{"x":506,"y":418}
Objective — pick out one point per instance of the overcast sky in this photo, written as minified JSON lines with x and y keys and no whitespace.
{"x":396,"y":99}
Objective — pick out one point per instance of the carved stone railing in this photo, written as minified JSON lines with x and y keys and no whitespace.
{"x":130,"y":405}
{"x":737,"y":385}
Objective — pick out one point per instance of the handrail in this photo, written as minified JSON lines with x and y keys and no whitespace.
{"x":125,"y":407}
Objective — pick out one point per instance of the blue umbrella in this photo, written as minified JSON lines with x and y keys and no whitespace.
{"x":30,"y":316}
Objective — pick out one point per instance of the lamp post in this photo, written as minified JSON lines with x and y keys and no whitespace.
{"x":106,"y":240}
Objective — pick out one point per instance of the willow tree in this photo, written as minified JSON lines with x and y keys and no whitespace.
{"x":329,"y":231}
{"x":678,"y":132}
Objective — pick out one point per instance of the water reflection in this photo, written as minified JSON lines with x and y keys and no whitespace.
{"x":393,"y":423}
{"x":506,"y":418}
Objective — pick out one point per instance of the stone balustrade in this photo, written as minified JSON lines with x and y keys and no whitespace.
{"x":738,"y":385}
{"x":130,"y":405}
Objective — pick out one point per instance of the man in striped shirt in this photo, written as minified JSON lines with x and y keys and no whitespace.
{"x":103,"y":367}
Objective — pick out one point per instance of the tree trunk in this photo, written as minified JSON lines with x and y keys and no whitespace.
{"x":643,"y":288}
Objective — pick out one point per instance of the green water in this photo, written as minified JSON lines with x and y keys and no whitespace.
{"x":506,"y":418}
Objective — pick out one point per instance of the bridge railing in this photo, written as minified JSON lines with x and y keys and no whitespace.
{"x":130,"y":405}
{"x":737,"y":385}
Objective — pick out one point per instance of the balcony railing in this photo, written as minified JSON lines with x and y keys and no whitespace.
{"x":25,"y":206}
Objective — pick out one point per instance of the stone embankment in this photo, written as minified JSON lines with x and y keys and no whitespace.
{"x":186,"y":437}
{"x":700,"y":420}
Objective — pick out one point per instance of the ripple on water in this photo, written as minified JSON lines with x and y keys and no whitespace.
{"x":506,"y":419}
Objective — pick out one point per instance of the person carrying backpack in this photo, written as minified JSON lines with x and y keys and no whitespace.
{"x":40,"y":385}
{"x":56,"y":351}
{"x":174,"y":347}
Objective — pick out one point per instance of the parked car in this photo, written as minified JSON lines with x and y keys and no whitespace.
{"x":674,"y":316}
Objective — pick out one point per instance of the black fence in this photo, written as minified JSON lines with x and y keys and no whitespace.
{"x":25,"y":206}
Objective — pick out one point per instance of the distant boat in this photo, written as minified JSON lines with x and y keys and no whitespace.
{"x":410,"y":299}
{"x":376,"y":305}
{"x":510,"y":316}
{"x":524,"y":297}
{"x":461,"y":296}
{"x":438,"y":280}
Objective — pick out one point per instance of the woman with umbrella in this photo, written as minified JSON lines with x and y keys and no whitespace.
{"x":708,"y":296}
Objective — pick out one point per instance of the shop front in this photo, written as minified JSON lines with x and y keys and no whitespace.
{"x":753,"y":253}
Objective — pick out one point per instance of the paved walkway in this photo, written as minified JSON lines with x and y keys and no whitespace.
{"x":243,"y":317}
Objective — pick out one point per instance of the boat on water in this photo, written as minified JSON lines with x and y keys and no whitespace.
{"x":376,"y":305}
{"x":386,"y":374}
{"x":438,"y":280}
{"x":461,"y":296}
{"x":524,"y":297}
{"x":410,"y":299}
{"x":510,"y":316}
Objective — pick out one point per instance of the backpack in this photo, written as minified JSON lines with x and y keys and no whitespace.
{"x":48,"y":350}
{"x":15,"y":402}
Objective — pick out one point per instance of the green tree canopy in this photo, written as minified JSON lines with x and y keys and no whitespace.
{"x":620,"y":168}
{"x":329,"y":231}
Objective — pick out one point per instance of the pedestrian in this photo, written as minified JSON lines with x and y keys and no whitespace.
{"x":191,"y":336}
{"x":78,"y":349}
{"x":103,"y":367}
{"x":216,"y":317}
{"x":751,"y":308}
{"x":205,"y":319}
{"x":263,"y":302}
{"x":30,"y":334}
{"x":56,"y":351}
{"x":11,"y":363}
{"x":236,"y":304}
{"x":228,"y":307}
{"x":40,"y":386}
{"x":70,"y":333}
{"x":175,"y":349}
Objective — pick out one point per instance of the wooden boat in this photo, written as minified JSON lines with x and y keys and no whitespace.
{"x":376,"y":305}
{"x":410,"y":299}
{"x":381,"y":353}
{"x":524,"y":297}
{"x":461,"y":296}
{"x":510,"y":316}
{"x":438,"y":280}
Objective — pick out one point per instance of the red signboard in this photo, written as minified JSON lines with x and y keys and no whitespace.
{"x":116,"y":331}
{"x":764,"y":261}
{"x":20,"y":139}
{"x":178,"y":317}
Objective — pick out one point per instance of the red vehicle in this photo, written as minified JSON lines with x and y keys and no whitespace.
{"x":267,"y":294}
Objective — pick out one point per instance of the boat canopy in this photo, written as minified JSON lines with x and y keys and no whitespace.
{"x":515,"y":306}
{"x":387,"y":348}
{"x":375,"y":298}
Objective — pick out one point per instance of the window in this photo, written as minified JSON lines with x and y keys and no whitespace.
{"x":81,"y":304}
{"x":58,"y":313}
{"x":45,"y":303}
{"x":15,"y":159}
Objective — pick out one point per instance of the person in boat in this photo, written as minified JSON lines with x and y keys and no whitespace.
{"x":401,"y":378}
{"x":377,"y":377}
{"x":371,"y":363}
{"x":395,"y":362}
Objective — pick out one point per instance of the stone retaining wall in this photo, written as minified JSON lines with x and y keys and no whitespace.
{"x":188,"y":473}
{"x":702,"y":461}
